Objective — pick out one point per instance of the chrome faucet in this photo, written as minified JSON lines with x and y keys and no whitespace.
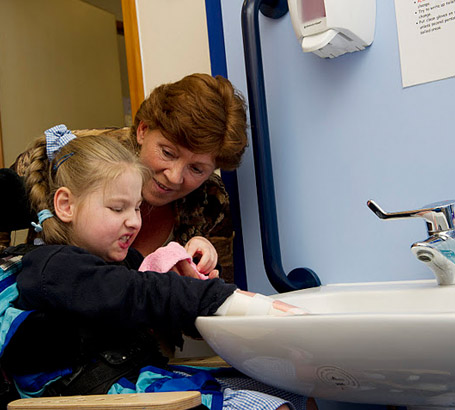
{"x":438,"y":251}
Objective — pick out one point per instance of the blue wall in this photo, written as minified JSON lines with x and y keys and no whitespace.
{"x":344,"y":131}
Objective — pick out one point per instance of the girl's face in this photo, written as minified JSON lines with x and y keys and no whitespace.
{"x":107,"y":221}
{"x":176,"y":171}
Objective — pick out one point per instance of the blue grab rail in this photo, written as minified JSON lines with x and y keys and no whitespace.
{"x":299,"y":278}
{"x":219,"y":67}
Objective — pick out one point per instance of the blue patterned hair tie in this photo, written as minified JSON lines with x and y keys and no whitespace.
{"x":56,"y":138}
{"x":42,"y":216}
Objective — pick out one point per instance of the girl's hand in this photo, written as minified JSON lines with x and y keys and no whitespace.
{"x":215,"y":273}
{"x":242,"y":303}
{"x":278,"y":306}
{"x":199,"y":246}
{"x":184,"y":268}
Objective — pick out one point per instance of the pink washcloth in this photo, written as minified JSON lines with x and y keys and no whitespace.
{"x":166,"y":257}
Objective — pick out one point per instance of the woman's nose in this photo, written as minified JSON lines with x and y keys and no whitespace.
{"x":174,"y":174}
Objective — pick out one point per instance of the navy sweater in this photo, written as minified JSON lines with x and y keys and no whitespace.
{"x":84,"y":305}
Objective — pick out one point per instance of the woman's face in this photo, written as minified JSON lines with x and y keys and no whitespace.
{"x":176,"y":171}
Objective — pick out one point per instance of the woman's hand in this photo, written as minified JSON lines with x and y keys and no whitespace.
{"x":199,"y":246}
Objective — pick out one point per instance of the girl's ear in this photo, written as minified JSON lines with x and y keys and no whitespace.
{"x":64,"y":204}
{"x":140,"y":132}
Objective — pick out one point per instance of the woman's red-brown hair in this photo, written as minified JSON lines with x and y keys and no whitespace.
{"x":204,"y":114}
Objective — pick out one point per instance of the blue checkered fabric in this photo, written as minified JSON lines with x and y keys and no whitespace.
{"x":249,"y":399}
{"x":56,"y":138}
{"x":244,"y":383}
{"x":242,"y":392}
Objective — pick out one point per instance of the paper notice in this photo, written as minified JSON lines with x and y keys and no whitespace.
{"x":426,"y":35}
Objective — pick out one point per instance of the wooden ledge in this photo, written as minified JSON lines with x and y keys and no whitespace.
{"x":140,"y":401}
{"x":212,"y":361}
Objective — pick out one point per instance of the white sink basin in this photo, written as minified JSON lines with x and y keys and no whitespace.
{"x":379,"y":343}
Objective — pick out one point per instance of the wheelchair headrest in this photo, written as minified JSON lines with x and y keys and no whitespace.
{"x":14,"y":206}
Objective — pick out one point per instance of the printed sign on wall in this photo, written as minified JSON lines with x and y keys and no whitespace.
{"x":426,"y":34}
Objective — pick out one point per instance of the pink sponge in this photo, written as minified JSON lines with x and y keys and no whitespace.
{"x":166,"y":257}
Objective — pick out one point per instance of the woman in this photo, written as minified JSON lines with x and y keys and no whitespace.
{"x":184,"y":131}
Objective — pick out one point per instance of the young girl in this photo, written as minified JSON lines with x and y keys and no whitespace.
{"x":92,"y":310}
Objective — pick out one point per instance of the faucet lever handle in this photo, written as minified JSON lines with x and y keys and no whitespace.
{"x":392,"y":215}
{"x":439,"y":216}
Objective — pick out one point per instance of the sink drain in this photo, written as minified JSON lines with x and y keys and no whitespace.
{"x":337,"y":377}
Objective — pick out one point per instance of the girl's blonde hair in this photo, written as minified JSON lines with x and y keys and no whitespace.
{"x":83,"y":165}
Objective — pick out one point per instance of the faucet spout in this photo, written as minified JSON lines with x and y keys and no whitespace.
{"x":438,"y":253}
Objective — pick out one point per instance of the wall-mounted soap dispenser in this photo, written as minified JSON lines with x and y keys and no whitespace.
{"x":330,"y":28}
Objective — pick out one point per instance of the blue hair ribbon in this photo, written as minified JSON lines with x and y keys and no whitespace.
{"x":56,"y":138}
{"x":42,"y":216}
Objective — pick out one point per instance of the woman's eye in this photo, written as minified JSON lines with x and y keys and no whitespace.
{"x":167,"y":153}
{"x":197,"y":170}
{"x":116,"y":209}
